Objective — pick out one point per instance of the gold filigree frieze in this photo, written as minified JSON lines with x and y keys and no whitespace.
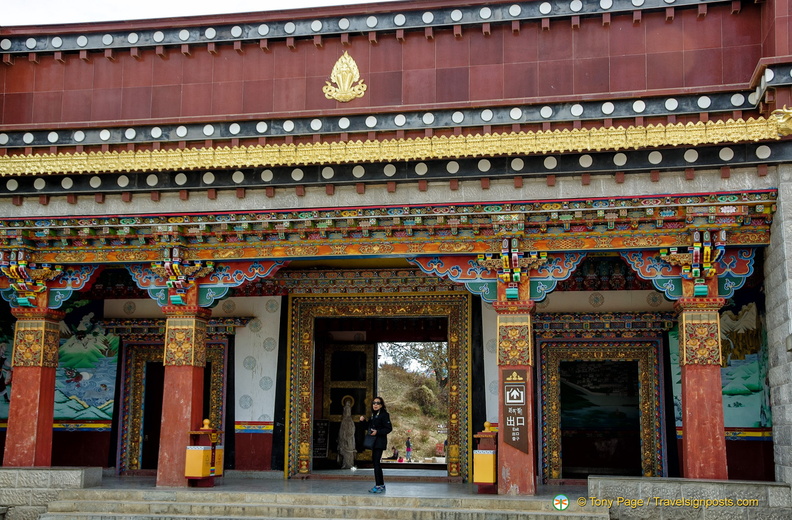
{"x":426,"y":148}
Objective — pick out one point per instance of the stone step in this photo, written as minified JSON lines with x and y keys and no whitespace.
{"x":95,"y":504}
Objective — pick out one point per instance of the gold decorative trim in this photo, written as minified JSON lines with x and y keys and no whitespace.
{"x":426,"y":148}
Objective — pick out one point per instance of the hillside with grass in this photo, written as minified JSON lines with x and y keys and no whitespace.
{"x":418,"y":406}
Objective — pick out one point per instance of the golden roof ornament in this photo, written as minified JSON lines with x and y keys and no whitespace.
{"x":784,"y":118}
{"x":347,"y":76}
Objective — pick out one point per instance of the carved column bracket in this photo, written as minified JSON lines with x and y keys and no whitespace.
{"x":36,"y":337}
{"x":699,"y":330}
{"x":185,"y":336}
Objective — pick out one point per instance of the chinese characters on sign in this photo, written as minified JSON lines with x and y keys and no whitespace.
{"x":515,"y":411}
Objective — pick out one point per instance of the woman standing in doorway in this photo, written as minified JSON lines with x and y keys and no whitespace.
{"x":378,"y":426}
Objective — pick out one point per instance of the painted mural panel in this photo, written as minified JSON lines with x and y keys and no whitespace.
{"x":746,"y":391}
{"x":88,"y":360}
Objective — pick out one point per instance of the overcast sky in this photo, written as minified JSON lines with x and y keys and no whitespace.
{"x":47,"y":12}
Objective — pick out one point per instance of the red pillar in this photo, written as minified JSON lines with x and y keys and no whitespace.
{"x":703,"y":438}
{"x":516,"y":423}
{"x":31,"y":411}
{"x":182,"y":400}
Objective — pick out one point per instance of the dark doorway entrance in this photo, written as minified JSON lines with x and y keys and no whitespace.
{"x":600,"y":418}
{"x":152,"y":414}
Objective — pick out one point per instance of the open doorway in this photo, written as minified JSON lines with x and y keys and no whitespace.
{"x":321,"y":323}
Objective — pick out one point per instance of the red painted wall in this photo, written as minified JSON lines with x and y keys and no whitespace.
{"x":253,"y":451}
{"x":746,"y":460}
{"x":81,"y":449}
{"x":621,"y":57}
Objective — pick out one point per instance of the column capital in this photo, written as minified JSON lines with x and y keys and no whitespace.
{"x":699,"y":304}
{"x":37,"y":313}
{"x":514,"y":307}
{"x":187,"y":311}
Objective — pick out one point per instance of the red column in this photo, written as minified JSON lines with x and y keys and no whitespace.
{"x":703,"y":438}
{"x":516,"y":439}
{"x":182,"y":400}
{"x":31,"y":411}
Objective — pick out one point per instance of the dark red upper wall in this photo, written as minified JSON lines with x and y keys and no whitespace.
{"x":689,"y":52}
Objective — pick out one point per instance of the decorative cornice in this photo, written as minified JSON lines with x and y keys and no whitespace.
{"x":436,"y":147}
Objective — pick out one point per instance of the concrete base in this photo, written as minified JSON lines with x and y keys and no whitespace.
{"x":670,"y":498}
{"x":25,"y":492}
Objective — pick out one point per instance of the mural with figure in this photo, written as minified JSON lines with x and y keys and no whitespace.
{"x":746,"y":391}
{"x":88,"y":358}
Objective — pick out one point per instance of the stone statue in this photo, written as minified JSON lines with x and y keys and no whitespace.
{"x":346,"y":437}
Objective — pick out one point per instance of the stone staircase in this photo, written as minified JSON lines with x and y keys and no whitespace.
{"x":213,"y":503}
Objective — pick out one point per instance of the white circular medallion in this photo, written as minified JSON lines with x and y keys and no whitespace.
{"x":607,"y":108}
{"x":158,"y":36}
{"x":620,"y":159}
{"x":261,"y":127}
{"x":456,"y":15}
{"x":122,"y":181}
{"x":130,"y":133}
{"x":327,"y":173}
{"x":288,"y":126}
{"x":486,"y":115}
{"x":517,"y":164}
{"x":82,"y":41}
{"x":236,"y":31}
{"x":156,"y":132}
{"x":484,"y":165}
{"x":485,"y":13}
{"x":546,"y":112}
{"x":5,"y":44}
{"x":208,"y":130}
{"x":655,"y":157}
{"x":637,"y":3}
{"x":671,"y":104}
{"x":289,"y":27}
{"x":358,"y":171}
{"x":704,"y":102}
{"x":371,"y":22}
{"x":3,"y":139}
{"x":180,"y":179}
{"x":133,"y":38}
{"x":577,"y":110}
{"x":52,"y":137}
{"x":208,"y":178}
{"x":691,"y":156}
{"x":152,"y":180}
{"x":399,"y":20}
{"x":263,"y":29}
{"x":428,"y":118}
{"x":515,"y":10}
{"x":606,"y":4}
{"x":515,"y":113}
{"x":210,"y":33}
{"x":763,"y":152}
{"x":316,"y":124}
{"x":95,"y":181}
{"x":12,"y":185}
{"x":316,"y":25}
{"x":399,"y":120}
{"x":104,"y":135}
{"x":769,"y":75}
{"x":371,"y":121}
{"x":267,"y":176}
{"x":639,"y":106}
{"x":79,"y":136}
{"x":234,"y":128}
{"x":238,"y":177}
{"x":343,"y":123}
{"x":585,"y":161}
{"x":297,"y":174}
{"x":30,"y":43}
{"x":389,"y":170}
{"x":726,"y":154}
{"x":181,"y":131}
{"x":184,"y":35}
{"x":452,"y":167}
{"x":737,"y":100}
{"x":343,"y":24}
{"x":28,"y":138}
{"x":57,"y":42}
{"x":575,"y":6}
{"x":421,"y":168}
{"x":457,"y":117}
{"x":545,"y":8}
{"x":550,"y":162}
{"x":427,"y":17}
{"x":67,"y":183}
{"x":39,"y":184}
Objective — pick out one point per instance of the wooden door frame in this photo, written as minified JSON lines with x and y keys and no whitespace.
{"x":303,"y":311}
